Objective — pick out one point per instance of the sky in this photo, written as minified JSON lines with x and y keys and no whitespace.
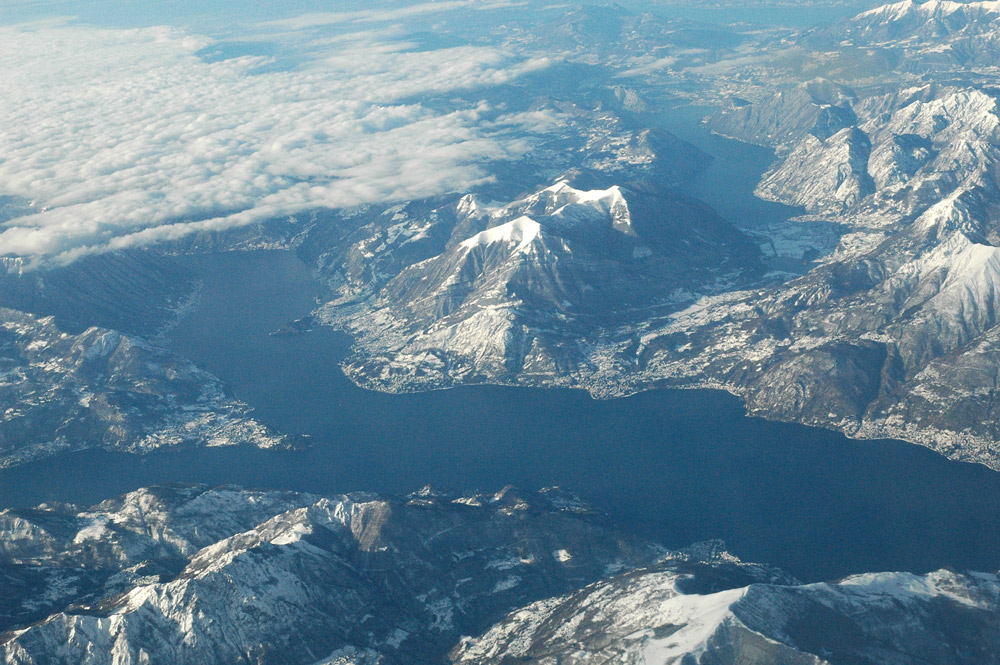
{"x":126,"y":136}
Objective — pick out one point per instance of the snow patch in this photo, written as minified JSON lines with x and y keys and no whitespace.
{"x":700,"y":617}
{"x":521,"y":231}
{"x":506,"y":584}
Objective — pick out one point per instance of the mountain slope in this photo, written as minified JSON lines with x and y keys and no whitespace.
{"x":134,"y":292}
{"x":191,"y":574}
{"x":519,"y":288}
{"x":291,"y":578}
{"x":618,"y":290}
{"x":655,"y":616}
{"x":102,"y":388}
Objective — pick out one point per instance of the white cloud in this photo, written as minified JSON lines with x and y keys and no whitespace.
{"x":381,"y":15}
{"x":649,"y":65}
{"x":126,"y":137}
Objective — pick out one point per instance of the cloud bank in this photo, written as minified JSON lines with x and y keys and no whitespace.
{"x":125,"y":137}
{"x":380,"y":15}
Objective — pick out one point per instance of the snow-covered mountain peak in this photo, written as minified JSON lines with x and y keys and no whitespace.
{"x":652,"y":616}
{"x":563,"y":194}
{"x":949,"y":215}
{"x":561,"y":204}
{"x":959,"y":114}
{"x":825,"y":92}
{"x":931,"y":8}
{"x":942,"y":583}
{"x":972,"y":269}
{"x":521,"y":231}
{"x":468,"y":206}
{"x":612,"y":202}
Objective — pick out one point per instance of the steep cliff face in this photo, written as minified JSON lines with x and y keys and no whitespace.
{"x":818,"y":108}
{"x":823,"y":174}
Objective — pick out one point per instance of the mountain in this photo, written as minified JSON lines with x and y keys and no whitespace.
{"x":899,"y":151}
{"x":880,"y":339}
{"x":191,"y":574}
{"x":620,"y":286}
{"x":663,"y":615}
{"x":823,"y":173}
{"x":134,"y":292}
{"x":930,"y":21}
{"x":931,"y":36}
{"x":520,"y":288}
{"x":357,"y":252}
{"x":104,"y":389}
{"x":819,"y":108}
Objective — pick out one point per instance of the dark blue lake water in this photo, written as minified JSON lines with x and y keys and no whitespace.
{"x":678,"y":466}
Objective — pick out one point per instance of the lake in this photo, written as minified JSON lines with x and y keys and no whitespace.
{"x":677,"y":466}
{"x":728,"y":183}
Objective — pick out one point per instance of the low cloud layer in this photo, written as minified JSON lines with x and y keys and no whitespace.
{"x":380,"y":15}
{"x":127,"y":137}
